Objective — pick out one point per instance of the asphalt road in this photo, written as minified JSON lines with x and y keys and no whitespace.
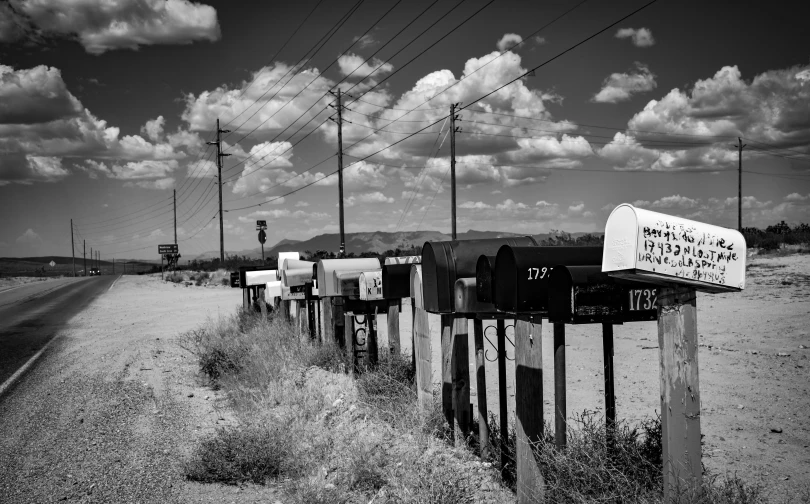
{"x":32,"y":314}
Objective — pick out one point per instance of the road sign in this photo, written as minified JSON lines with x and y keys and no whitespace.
{"x":52,"y":264}
{"x":262,"y":236}
{"x":167,"y":249}
{"x":261,"y":224}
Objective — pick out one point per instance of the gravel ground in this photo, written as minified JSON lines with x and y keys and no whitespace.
{"x":115,"y":407}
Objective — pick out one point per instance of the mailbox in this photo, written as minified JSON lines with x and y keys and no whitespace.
{"x":396,"y":280}
{"x":296,"y":277}
{"x":445,"y":262}
{"x":640,"y":302}
{"x":522,"y":273}
{"x":272,"y":291}
{"x":294,"y":292}
{"x":348,"y":283}
{"x":416,"y":286}
{"x":295,"y":264}
{"x":234,"y":279}
{"x":311,"y":291}
{"x":583,"y":295}
{"x":371,"y":285}
{"x":666,"y":250}
{"x":403,"y":260}
{"x":261,"y":271}
{"x":324,"y":271}
{"x":466,"y":299}
{"x":483,"y":278}
{"x":282,"y":256}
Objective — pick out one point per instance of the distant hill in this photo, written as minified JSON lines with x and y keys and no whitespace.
{"x":378,"y":241}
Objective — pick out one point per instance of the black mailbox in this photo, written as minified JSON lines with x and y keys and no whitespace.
{"x":310,"y":292}
{"x":235,"y":279}
{"x":584,"y":295}
{"x":243,"y":269}
{"x":445,"y":262}
{"x":483,"y":278}
{"x":522,"y":273}
{"x":396,"y":281}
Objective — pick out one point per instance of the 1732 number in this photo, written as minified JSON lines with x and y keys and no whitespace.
{"x":643,"y":299}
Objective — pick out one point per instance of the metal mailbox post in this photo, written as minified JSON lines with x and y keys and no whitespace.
{"x":681,"y":257}
{"x":443,"y":263}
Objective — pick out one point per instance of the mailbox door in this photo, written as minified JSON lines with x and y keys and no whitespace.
{"x":396,"y":281}
{"x":325,"y":269}
{"x":371,"y":285}
{"x":348,"y":283}
{"x":522,"y":274}
{"x":445,"y":262}
{"x":467,"y":302}
{"x":298,"y":276}
{"x":416,"y":286}
{"x":289,"y":264}
{"x":402,"y":260}
{"x":640,"y":303}
{"x":235,"y":279}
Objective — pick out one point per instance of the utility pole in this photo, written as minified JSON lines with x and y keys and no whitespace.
{"x":92,"y":257}
{"x":739,"y":146}
{"x":72,"y":248}
{"x":453,"y":131}
{"x":174,"y":198}
{"x":84,"y":254}
{"x":220,"y":155}
{"x":339,"y":123}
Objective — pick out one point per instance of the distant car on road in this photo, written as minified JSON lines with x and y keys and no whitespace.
{"x":94,"y":271}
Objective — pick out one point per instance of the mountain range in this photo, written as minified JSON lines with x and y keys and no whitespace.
{"x":378,"y":241}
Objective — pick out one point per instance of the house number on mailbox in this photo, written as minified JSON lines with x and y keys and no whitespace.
{"x":649,"y":296}
{"x":535,"y":273}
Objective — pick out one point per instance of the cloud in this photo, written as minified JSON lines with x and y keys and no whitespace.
{"x":358,"y":67}
{"x":27,"y":169}
{"x":366,"y":40}
{"x":372,"y":197}
{"x":28,"y":237}
{"x":674,"y":201}
{"x":797,"y":197}
{"x":620,"y":86}
{"x":35,"y":95}
{"x":301,"y":204}
{"x":154,"y":129}
{"x":159,"y":184}
{"x":641,"y":37}
{"x":509,"y":41}
{"x":104,"y":26}
{"x":135,"y":170}
{"x":477,"y":205}
{"x":284,"y":213}
{"x":265,"y":102}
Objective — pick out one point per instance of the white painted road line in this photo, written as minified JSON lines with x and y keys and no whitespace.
{"x":8,"y":383}
{"x":114,"y":282}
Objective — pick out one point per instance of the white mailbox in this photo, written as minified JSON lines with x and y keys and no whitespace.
{"x":287,"y":255}
{"x":416,"y":286}
{"x":260,"y":277}
{"x":347,"y":282}
{"x":403,"y":260}
{"x":288,"y":264}
{"x":466,"y":299}
{"x":327,"y":267}
{"x":272,"y":291}
{"x":371,"y":285}
{"x":296,"y":277}
{"x":665,"y":250}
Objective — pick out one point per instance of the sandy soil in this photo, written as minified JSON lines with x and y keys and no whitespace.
{"x":9,"y":282}
{"x":754,"y":361}
{"x":115,"y":406}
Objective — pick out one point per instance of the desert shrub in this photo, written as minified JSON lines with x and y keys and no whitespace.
{"x":389,"y":389}
{"x":327,"y":356}
{"x":175,"y":277}
{"x":225,"y":281}
{"x":251,"y":453}
{"x":770,"y":243}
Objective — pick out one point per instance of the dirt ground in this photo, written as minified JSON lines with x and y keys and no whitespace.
{"x":754,"y":358}
{"x":9,"y":282}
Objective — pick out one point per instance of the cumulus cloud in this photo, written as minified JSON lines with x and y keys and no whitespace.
{"x":675,"y":201}
{"x":358,"y":67}
{"x":366,"y":40}
{"x":159,"y":184}
{"x":104,"y":26}
{"x":620,"y":86}
{"x":29,"y":237}
{"x":372,"y":197}
{"x":797,"y":197}
{"x":509,"y":41}
{"x":641,"y":37}
{"x":27,"y":169}
{"x":153,"y":129}
{"x":35,"y":95}
{"x":134,"y":170}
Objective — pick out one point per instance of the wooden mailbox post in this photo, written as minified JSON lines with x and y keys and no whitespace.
{"x":421,"y":343}
{"x":520,"y":287}
{"x":680,"y":257}
{"x":442,"y":264}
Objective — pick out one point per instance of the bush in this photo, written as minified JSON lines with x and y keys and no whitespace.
{"x":175,"y":277}
{"x":251,"y":453}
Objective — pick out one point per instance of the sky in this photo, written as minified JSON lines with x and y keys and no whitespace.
{"x":107,"y":108}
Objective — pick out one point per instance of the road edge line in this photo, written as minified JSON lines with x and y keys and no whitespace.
{"x":30,"y":362}
{"x":114,"y":282}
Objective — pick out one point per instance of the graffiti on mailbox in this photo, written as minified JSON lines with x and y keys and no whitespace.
{"x":686,"y":251}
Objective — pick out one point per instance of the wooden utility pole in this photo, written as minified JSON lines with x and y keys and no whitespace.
{"x":174,"y":199}
{"x":339,"y":123}
{"x":739,"y":146}
{"x":453,"y":131}
{"x":84,"y":255}
{"x":72,"y":248}
{"x":220,"y":155}
{"x":92,"y":257}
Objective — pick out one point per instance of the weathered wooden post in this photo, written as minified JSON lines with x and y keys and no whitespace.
{"x":396,"y":285}
{"x":528,"y":408}
{"x":610,"y":393}
{"x":446,"y":324}
{"x":393,"y":328}
{"x":681,"y":256}
{"x":421,"y":345}
{"x":481,"y":387}
{"x":503,"y":417}
{"x":460,"y":374}
{"x":560,"y":409}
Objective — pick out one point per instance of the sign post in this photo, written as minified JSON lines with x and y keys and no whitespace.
{"x":260,"y":227}
{"x":167,"y":251}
